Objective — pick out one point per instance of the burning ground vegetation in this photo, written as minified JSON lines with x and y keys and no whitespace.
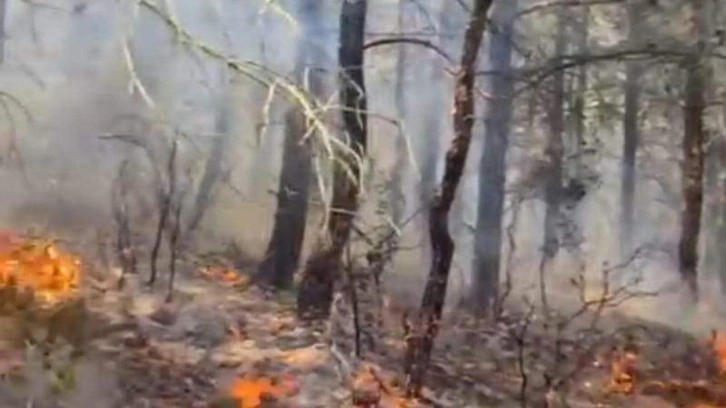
{"x":71,"y":337}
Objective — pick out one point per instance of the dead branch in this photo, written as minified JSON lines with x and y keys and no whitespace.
{"x":174,"y":246}
{"x":557,"y":375}
{"x":353,"y":294}
{"x":125,"y":251}
{"x":408,"y":40}
{"x":520,"y":340}
{"x":166,"y":194}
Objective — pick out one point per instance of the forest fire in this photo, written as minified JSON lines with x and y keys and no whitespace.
{"x":251,"y":391}
{"x":717,"y":342}
{"x":38,"y":265}
{"x":701,"y":385}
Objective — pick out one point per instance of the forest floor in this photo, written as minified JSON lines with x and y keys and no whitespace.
{"x":224,"y":343}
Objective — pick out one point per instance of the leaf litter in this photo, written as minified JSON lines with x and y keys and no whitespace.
{"x":223,"y":342}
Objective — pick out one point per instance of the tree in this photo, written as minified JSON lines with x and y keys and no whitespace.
{"x":694,"y":140}
{"x":420,"y":338}
{"x":315,"y":295}
{"x":492,"y":168}
{"x":631,"y":132}
{"x":288,"y":232}
{"x":553,"y":155}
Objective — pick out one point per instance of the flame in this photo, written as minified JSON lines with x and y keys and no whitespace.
{"x":249,"y":391}
{"x":51,"y":274}
{"x":622,"y":373}
{"x":223,"y":274}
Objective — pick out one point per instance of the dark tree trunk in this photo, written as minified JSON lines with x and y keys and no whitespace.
{"x":553,"y":154}
{"x":694,"y":140}
{"x":322,"y":269}
{"x":631,"y":133}
{"x":283,"y":251}
{"x":492,"y":169}
{"x":420,"y":339}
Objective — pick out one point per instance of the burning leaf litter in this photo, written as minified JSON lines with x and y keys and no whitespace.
{"x":39,"y":266}
{"x":222,"y":273}
{"x":251,"y":391}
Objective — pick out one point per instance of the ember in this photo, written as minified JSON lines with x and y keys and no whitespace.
{"x":222,"y":274}
{"x":38,"y":265}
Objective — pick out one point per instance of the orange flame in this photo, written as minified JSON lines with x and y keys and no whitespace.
{"x":250,"y":391}
{"x":222,"y":273}
{"x":622,"y":373}
{"x":51,"y":274}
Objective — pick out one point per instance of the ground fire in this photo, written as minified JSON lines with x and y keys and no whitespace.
{"x":38,"y":265}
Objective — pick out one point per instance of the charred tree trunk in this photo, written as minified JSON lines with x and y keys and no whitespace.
{"x":694,"y":140}
{"x":631,"y":132}
{"x":420,"y":339}
{"x":492,"y":169}
{"x":283,"y":251}
{"x":553,"y":155}
{"x":322,"y":269}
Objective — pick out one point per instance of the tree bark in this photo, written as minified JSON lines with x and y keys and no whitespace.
{"x":420,"y":339}
{"x":322,"y":269}
{"x":283,"y":251}
{"x":553,"y":154}
{"x":492,"y":168}
{"x":631,"y":135}
{"x":694,"y":140}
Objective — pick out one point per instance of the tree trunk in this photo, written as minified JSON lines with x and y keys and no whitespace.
{"x":553,"y":154}
{"x":321,"y":271}
{"x":492,"y":169}
{"x":283,"y":251}
{"x":420,"y":340}
{"x":631,"y":133}
{"x":694,"y":141}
